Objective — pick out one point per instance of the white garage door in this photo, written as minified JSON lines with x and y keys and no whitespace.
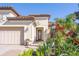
{"x":11,"y":36}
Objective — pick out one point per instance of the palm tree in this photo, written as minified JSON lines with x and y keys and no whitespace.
{"x":70,"y":24}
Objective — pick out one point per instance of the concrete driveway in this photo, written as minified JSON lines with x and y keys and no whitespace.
{"x":11,"y":50}
{"x":14,"y":50}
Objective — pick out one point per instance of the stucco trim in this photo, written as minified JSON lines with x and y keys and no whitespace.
{"x":10,"y":28}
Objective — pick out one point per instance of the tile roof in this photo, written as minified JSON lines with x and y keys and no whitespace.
{"x":40,"y":15}
{"x":9,"y":8}
{"x":21,"y":18}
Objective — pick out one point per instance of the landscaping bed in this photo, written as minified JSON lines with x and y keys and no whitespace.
{"x":43,"y":50}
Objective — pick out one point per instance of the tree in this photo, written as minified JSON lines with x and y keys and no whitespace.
{"x":64,"y":39}
{"x":69,"y":24}
{"x":77,"y":13}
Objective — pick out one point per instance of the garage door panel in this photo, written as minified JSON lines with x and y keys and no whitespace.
{"x":11,"y":36}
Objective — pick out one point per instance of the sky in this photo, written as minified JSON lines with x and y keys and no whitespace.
{"x":56,"y":10}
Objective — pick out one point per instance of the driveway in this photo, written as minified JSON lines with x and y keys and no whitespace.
{"x":11,"y":50}
{"x":14,"y":50}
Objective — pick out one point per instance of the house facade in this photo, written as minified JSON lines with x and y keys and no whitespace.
{"x":16,"y":29}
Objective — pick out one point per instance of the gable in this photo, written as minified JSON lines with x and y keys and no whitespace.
{"x":9,"y":11}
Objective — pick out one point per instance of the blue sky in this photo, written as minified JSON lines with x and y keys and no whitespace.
{"x":54,"y":9}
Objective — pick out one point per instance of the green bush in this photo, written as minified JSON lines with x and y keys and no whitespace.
{"x":27,"y":52}
{"x":42,"y":50}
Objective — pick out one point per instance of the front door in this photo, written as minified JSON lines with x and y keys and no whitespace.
{"x":39,"y":34}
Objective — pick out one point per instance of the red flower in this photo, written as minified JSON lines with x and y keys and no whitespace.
{"x":56,"y":26}
{"x":70,"y":33}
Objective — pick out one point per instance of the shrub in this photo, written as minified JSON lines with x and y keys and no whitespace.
{"x":64,"y":44}
{"x":42,"y":50}
{"x":26,"y":52}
